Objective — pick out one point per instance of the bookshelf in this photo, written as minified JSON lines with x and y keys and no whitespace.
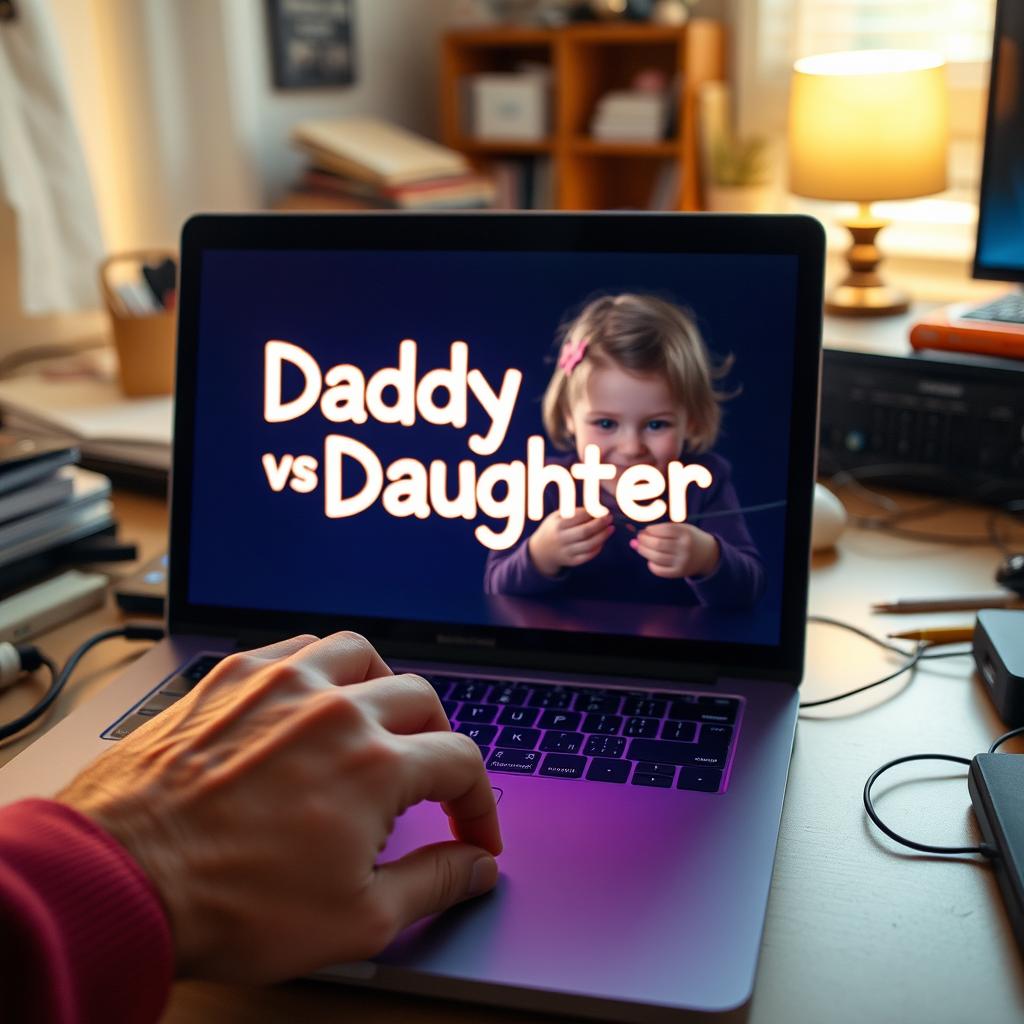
{"x":585,"y":61}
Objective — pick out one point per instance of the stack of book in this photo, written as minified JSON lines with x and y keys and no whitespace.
{"x":47,"y":504}
{"x":631,"y":115}
{"x":363,"y":163}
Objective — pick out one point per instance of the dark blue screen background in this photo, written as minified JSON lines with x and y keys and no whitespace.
{"x":253,"y":548}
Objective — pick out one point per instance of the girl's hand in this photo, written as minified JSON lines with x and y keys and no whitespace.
{"x":675,"y":550}
{"x":564,"y":543}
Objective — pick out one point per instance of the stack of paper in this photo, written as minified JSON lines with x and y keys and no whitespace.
{"x":107,"y":427}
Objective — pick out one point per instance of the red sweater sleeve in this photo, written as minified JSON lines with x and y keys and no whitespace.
{"x":83,"y":932}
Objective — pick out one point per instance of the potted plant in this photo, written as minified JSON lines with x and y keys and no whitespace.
{"x":740,"y":175}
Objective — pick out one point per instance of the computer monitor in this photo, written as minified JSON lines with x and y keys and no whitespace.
{"x":999,"y":254}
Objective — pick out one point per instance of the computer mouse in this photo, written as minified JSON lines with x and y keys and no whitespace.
{"x":1011,"y":574}
{"x":828,"y":519}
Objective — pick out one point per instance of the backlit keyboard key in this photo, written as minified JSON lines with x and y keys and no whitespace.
{"x":517,"y":762}
{"x":607,"y":724}
{"x":604,"y":746}
{"x":676,"y":753}
{"x":563,"y":766}
{"x":477,"y":712}
{"x":606,"y":770}
{"x":605,"y":703}
{"x":513,"y":736}
{"x":562,"y":742}
{"x":469,"y":689}
{"x":673,"y":730}
{"x":645,"y":707}
{"x":705,"y":709}
{"x":712,"y":735}
{"x":441,"y":685}
{"x":704,"y":780}
{"x":650,"y":779}
{"x":450,"y":707}
{"x":481,"y":735}
{"x":558,"y":719}
{"x":551,"y":697}
{"x":656,"y":768}
{"x":508,"y":694}
{"x":641,"y":727}
{"x":518,"y":716}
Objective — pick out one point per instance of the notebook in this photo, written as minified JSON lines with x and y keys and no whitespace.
{"x":375,"y":417}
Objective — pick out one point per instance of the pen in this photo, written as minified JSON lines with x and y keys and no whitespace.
{"x":967,"y":602}
{"x":937,"y":635}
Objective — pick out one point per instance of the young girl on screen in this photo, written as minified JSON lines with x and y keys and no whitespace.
{"x":634,"y":378}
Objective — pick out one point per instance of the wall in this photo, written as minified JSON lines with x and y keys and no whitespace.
{"x":178,"y":113}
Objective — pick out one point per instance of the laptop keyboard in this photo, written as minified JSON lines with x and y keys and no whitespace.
{"x":1007,"y":309}
{"x":639,"y":738}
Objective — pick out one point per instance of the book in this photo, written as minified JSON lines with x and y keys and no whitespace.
{"x":88,"y":491}
{"x":375,"y":151}
{"x":464,"y":190}
{"x":36,"y":496}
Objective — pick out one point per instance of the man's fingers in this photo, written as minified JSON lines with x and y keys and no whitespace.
{"x":343,"y":658}
{"x":431,"y":879}
{"x":283,"y":648}
{"x":448,"y":769}
{"x":403,"y":704}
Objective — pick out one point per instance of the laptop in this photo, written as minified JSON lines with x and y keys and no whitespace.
{"x":337,"y":376}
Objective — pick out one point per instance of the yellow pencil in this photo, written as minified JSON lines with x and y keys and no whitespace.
{"x":937,"y":634}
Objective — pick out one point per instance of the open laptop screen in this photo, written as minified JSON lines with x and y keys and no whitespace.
{"x":586,"y":443}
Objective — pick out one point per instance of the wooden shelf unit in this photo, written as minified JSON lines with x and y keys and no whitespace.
{"x":586,"y":61}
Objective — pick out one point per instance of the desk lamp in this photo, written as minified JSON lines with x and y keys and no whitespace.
{"x":863,"y":126}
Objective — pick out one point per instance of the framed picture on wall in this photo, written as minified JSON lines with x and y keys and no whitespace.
{"x":311,"y":42}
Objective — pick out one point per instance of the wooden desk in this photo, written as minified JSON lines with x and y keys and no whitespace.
{"x":858,"y":929}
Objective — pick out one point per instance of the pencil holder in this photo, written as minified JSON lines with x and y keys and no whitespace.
{"x":144,"y":342}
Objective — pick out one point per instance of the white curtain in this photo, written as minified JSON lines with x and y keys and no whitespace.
{"x":43,"y":175}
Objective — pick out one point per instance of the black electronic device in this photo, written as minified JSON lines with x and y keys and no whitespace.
{"x":999,"y":654}
{"x":996,"y":785}
{"x":145,"y":591}
{"x":942,"y":423}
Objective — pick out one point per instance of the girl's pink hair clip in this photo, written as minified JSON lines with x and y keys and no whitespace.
{"x":572,"y":354}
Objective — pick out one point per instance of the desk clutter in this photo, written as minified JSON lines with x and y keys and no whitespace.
{"x":140,"y":292}
{"x":50,"y":507}
{"x":127,"y":438}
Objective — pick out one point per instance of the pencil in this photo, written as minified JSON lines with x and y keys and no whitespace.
{"x":937,"y":634}
{"x":964,"y":603}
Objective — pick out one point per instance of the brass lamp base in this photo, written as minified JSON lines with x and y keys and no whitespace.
{"x":863,"y":292}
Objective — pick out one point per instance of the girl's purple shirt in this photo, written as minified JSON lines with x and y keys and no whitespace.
{"x":621,"y":574}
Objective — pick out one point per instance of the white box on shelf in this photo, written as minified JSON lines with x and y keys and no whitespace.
{"x":510,"y":106}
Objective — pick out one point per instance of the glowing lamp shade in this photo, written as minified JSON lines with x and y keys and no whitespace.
{"x":867,"y":125}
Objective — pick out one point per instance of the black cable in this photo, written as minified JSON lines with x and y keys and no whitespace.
{"x":1006,"y":736}
{"x":58,"y":680}
{"x":913,"y":657}
{"x":984,"y":849}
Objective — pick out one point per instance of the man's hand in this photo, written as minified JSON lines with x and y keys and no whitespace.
{"x":259,"y":804}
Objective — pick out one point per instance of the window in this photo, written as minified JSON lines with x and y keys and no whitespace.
{"x":771,"y":34}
